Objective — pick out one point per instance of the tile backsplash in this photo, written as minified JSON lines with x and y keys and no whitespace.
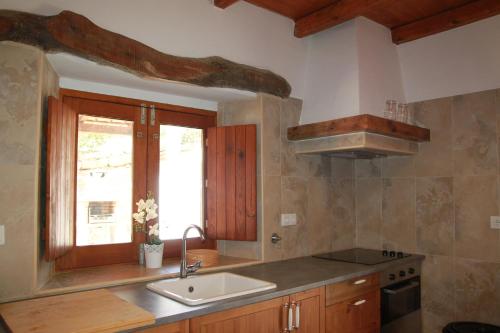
{"x":439,"y":203}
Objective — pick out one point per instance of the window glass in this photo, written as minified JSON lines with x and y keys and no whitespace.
{"x":104,"y":181}
{"x":180,"y":180}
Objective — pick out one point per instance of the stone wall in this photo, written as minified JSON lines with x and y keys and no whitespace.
{"x":25,"y":77}
{"x":439,"y":203}
{"x":320,"y":190}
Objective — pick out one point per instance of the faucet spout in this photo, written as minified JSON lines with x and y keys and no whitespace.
{"x":185,"y":269}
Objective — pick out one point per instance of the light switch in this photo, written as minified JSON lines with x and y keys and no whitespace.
{"x":288,"y":219}
{"x":2,"y":235}
{"x":495,"y":222}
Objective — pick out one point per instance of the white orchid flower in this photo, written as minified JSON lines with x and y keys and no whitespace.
{"x":151,"y":214}
{"x":153,"y":230}
{"x":139,"y":217}
{"x":141,"y":205}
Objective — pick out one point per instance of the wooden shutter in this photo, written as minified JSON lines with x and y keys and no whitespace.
{"x":60,"y":179}
{"x":231,"y":183}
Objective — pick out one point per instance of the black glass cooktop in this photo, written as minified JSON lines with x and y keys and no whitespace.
{"x":363,"y":256}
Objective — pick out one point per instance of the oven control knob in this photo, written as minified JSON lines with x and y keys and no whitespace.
{"x":385,"y":253}
{"x":392,"y":277}
{"x":392,"y":253}
{"x":411,"y":270}
{"x":402,"y":273}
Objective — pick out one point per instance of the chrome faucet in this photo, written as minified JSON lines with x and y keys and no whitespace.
{"x":185,"y":269}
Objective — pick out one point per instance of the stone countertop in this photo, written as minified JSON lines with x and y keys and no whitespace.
{"x":290,"y":276}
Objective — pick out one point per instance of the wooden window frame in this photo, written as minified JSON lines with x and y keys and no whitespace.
{"x":95,"y":255}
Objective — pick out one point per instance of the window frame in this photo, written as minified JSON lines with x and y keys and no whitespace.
{"x":96,"y":255}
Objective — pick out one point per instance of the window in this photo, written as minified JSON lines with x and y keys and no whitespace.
{"x":104,"y":153}
{"x":122,"y":151}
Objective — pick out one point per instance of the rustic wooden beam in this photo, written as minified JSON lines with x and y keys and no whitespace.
{"x":75,"y":34}
{"x":468,"y":13}
{"x":224,"y":3}
{"x":332,"y":15}
{"x":361,"y":123}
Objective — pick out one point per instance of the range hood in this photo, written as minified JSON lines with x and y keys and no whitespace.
{"x":362,"y":136}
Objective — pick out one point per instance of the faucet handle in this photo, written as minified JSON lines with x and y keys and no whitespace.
{"x":194,"y":267}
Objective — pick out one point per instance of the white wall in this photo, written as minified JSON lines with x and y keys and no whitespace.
{"x":458,"y":61}
{"x":331,"y":77}
{"x":350,"y":69}
{"x":194,"y":28}
{"x":379,"y":71}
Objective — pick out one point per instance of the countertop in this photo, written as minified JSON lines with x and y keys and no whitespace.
{"x":290,"y":276}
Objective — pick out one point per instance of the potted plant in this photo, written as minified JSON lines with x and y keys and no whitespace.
{"x":144,"y":222}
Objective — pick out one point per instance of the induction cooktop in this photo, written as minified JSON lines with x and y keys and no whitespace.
{"x":363,"y":256}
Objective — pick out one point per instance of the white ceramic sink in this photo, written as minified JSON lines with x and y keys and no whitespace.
{"x":201,"y":289}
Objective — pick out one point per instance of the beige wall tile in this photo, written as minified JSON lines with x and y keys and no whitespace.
{"x":475,"y":202}
{"x":398,"y":214}
{"x":368,"y":168}
{"x":435,"y":157}
{"x":271,"y":216}
{"x":434,"y":215}
{"x":342,"y":167}
{"x":438,"y":293}
{"x":344,"y":221}
{"x":294,"y":201}
{"x":368,"y":209}
{"x":477,"y":291}
{"x":474,"y":134}
{"x":319,"y":216}
{"x":271,"y":150}
{"x":398,"y":166}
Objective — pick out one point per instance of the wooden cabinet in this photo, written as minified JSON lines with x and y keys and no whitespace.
{"x":353,"y":306}
{"x":177,"y":327}
{"x":302,"y":313}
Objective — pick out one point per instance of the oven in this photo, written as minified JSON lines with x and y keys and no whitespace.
{"x":400,"y":299}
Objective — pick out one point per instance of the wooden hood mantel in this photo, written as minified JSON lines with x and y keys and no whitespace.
{"x":361,"y":136}
{"x":72,"y":33}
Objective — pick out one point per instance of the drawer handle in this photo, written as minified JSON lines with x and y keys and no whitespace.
{"x":358,"y":303}
{"x":357,"y":282}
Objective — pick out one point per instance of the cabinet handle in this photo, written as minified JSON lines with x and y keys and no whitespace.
{"x":290,"y":318}
{"x":358,"y":303}
{"x":357,"y":282}
{"x":286,"y":319}
{"x":297,"y":316}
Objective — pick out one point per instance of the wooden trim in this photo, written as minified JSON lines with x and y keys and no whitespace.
{"x":224,"y":3}
{"x":450,"y":19}
{"x":332,"y":15}
{"x":361,"y":123}
{"x":134,"y":102}
{"x":72,"y":33}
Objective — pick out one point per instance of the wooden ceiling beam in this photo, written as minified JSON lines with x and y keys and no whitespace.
{"x":75,"y":34}
{"x":450,"y":19}
{"x":332,"y":15}
{"x":224,"y":3}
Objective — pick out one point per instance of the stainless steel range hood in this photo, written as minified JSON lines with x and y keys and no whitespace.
{"x":363,"y":136}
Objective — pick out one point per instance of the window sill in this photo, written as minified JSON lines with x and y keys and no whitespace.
{"x":120,"y":274}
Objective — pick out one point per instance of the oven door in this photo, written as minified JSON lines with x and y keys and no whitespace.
{"x":400,"y":307}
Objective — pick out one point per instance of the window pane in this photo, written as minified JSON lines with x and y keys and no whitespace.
{"x":181,"y":179}
{"x":104,"y":181}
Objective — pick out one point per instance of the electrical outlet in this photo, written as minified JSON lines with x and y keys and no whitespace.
{"x":2,"y":235}
{"x":495,"y":222}
{"x":288,"y":219}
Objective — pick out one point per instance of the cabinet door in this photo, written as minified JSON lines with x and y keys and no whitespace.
{"x":359,"y":314}
{"x":308,"y":311}
{"x":177,"y":327}
{"x":265,"y":317}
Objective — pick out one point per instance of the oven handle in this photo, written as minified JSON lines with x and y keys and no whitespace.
{"x":412,"y":285}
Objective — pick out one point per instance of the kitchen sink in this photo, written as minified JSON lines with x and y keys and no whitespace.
{"x":201,"y":289}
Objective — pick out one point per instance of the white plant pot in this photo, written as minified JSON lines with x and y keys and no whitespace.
{"x":154,"y":255}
